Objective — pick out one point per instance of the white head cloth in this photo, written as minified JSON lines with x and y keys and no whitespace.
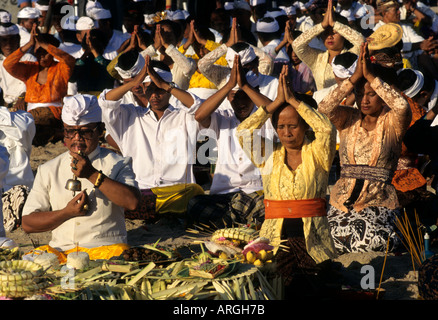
{"x":246,"y":56}
{"x":177,"y":15}
{"x":290,"y":11}
{"x":268,"y":27}
{"x":165,"y":75}
{"x":275,"y":14}
{"x":185,"y":13}
{"x":254,"y":3}
{"x":8,"y":30}
{"x":41,"y":7}
{"x":228,"y":5}
{"x":135,"y":69}
{"x":99,"y":13}
{"x":341,"y":72}
{"x":85,"y":23}
{"x":149,"y":18}
{"x":241,"y":4}
{"x":299,"y":5}
{"x":5,"y":17}
{"x":416,"y":87}
{"x":81,"y":109}
{"x":92,"y":4}
{"x":28,"y":13}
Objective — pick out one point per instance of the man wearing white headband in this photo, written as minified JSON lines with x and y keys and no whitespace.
{"x":115,"y":37}
{"x":26,"y":17}
{"x":160,"y":139}
{"x":236,"y":179}
{"x":269,"y":34}
{"x":256,"y":63}
{"x":90,"y":219}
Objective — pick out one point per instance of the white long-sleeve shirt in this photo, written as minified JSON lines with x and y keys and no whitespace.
{"x":17,"y":130}
{"x":162,"y":150}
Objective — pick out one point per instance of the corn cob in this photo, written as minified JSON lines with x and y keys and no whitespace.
{"x":242,"y":234}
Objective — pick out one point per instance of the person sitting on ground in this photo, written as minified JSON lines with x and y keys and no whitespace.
{"x":295,"y":179}
{"x":236,"y":192}
{"x":337,"y":37}
{"x":363,"y":202}
{"x":17,"y":131}
{"x":46,"y":83}
{"x":13,"y":89}
{"x":165,"y":134}
{"x":93,"y":220}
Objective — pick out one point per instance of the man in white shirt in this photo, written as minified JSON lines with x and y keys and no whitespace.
{"x":269,"y":34}
{"x":161,"y":139}
{"x":92,"y":220}
{"x":236,"y":193}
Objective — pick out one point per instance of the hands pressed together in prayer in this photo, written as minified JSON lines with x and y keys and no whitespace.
{"x":284,"y":92}
{"x":364,"y":66}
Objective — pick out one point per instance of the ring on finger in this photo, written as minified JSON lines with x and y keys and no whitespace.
{"x":74,"y":168}
{"x":75,"y":161}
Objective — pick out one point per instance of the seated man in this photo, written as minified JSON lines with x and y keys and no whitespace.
{"x":236,"y":193}
{"x":92,"y":221}
{"x":18,"y":130}
{"x":160,"y":138}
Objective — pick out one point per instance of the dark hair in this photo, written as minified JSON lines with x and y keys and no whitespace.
{"x":49,"y":39}
{"x":239,"y":46}
{"x":205,"y":32}
{"x":276,"y":115}
{"x":388,"y":75}
{"x":127,"y":59}
{"x":406,"y":78}
{"x":175,"y":26}
{"x":345,"y":59}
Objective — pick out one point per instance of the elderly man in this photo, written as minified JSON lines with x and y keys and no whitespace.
{"x":92,"y":220}
{"x":160,"y":138}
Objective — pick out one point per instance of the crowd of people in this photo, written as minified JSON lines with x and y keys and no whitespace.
{"x":274,"y":100}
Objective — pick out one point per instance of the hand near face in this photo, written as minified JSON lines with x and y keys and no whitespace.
{"x":81,"y":165}
{"x":78,"y":205}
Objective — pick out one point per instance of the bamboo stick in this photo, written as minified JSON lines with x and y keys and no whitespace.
{"x":383,"y":268}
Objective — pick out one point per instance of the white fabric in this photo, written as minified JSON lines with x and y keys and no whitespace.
{"x":254,"y":3}
{"x":28,"y":13}
{"x":4,"y":167}
{"x":234,"y":171}
{"x":290,"y":11}
{"x":268,"y":27}
{"x":355,"y":12}
{"x":104,"y":224}
{"x":11,"y":86}
{"x":432,"y":103}
{"x":149,"y":18}
{"x":164,"y":150}
{"x":41,"y":7}
{"x":99,"y":13}
{"x":228,"y":5}
{"x":18,"y":130}
{"x":246,"y":56}
{"x":275,"y":14}
{"x":241,"y":4}
{"x":81,"y":109}
{"x":416,"y":87}
{"x":135,"y":69}
{"x":85,"y":23}
{"x":342,"y":72}
{"x":165,"y":75}
{"x":31,"y":106}
{"x":114,"y":44}
{"x":10,"y":30}
{"x":5,"y":17}
{"x":270,"y":50}
{"x":92,"y":4}
{"x":24,"y":35}
{"x":73,"y":49}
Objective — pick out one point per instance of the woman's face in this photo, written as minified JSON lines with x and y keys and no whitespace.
{"x":333,"y":40}
{"x":44,"y":58}
{"x":291,"y":129}
{"x":368,"y":100}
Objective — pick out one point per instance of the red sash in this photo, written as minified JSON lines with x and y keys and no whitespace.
{"x":307,"y":208}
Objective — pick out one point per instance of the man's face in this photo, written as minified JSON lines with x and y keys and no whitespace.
{"x":28,"y":23}
{"x":9,"y":44}
{"x":158,"y":98}
{"x":83,"y":138}
{"x":392,"y":15}
{"x":241,"y":103}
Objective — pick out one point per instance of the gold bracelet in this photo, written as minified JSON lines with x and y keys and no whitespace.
{"x":99,"y":180}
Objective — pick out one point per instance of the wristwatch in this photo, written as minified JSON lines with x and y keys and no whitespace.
{"x":171,"y":86}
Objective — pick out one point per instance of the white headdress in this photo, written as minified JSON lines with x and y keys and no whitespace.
{"x":81,"y":109}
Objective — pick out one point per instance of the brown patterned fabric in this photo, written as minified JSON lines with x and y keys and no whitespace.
{"x":428,"y":279}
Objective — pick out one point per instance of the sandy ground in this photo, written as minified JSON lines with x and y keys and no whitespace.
{"x":399,"y":280}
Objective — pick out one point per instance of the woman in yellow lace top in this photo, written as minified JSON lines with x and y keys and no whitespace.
{"x":295,"y":177}
{"x":363,"y":201}
{"x":335,"y":36}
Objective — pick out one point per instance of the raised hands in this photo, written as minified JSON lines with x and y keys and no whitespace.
{"x":237,"y":75}
{"x":284,"y":92}
{"x":234,"y":34}
{"x":328,"y":20}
